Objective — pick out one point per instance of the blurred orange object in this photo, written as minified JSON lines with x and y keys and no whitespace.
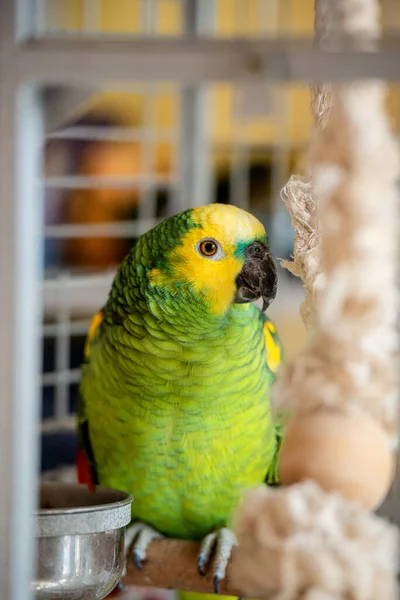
{"x":104,"y":158}
{"x":102,"y":205}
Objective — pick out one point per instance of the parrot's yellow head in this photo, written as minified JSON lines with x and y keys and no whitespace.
{"x":217,"y":251}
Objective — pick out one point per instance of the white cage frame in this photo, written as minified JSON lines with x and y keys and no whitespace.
{"x":26,"y":62}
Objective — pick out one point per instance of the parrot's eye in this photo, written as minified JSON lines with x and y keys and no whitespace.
{"x":209,"y":248}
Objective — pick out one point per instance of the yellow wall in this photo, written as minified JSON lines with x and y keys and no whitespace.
{"x":123,"y":16}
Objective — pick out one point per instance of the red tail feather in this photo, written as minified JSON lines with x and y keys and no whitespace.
{"x":83,"y":470}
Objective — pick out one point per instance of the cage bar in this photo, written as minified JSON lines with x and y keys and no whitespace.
{"x":192,"y":60}
{"x":20,"y":239}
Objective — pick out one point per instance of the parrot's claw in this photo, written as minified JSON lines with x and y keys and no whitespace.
{"x":216,"y":582}
{"x":138,"y":558}
{"x":120,"y":587}
{"x":223,"y":540}
{"x":138,"y":536}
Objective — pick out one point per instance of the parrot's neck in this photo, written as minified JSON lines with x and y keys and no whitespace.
{"x":180,"y":309}
{"x":192,"y":314}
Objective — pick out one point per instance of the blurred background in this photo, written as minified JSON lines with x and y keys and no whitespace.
{"x":119,"y":160}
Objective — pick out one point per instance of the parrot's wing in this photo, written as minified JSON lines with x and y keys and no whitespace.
{"x":273,"y":346}
{"x":274,"y":356}
{"x":86,"y":465}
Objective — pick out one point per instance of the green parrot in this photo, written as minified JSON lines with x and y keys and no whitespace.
{"x":174,"y":402}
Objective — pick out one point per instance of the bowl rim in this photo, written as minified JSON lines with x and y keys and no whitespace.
{"x":125,"y":499}
{"x":114,"y":511}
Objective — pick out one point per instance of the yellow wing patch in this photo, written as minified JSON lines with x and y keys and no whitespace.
{"x":272,"y":346}
{"x":94,"y":324}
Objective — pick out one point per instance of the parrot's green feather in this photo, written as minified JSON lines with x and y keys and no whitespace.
{"x":175,"y":394}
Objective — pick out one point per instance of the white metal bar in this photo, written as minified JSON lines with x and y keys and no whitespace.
{"x":124,"y":229}
{"x":120,"y":182}
{"x":82,"y":294}
{"x":241,"y":19}
{"x":290,"y":145}
{"x":40,"y":16}
{"x":147,"y":206}
{"x":338,"y":41}
{"x":280,"y":159}
{"x":77,"y":327}
{"x":8,"y":315}
{"x":91,"y":15}
{"x":194,"y":158}
{"x":148,"y":13}
{"x":51,"y":425}
{"x":240,"y":175}
{"x":25,"y":19}
{"x":26,"y":359}
{"x":20,"y":273}
{"x":117,"y":134}
{"x":198,"y":60}
{"x":285,"y":16}
{"x":240,"y":157}
{"x":279,"y":215}
{"x":64,"y":377}
{"x":61,"y":396}
{"x":66,"y":474}
{"x":268,"y":12}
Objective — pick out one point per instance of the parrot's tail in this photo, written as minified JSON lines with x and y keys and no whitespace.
{"x":84,"y":471}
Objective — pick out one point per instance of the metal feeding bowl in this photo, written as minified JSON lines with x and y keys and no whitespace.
{"x":80,"y":539}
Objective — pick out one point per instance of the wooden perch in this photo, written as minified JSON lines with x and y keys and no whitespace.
{"x":172,"y":564}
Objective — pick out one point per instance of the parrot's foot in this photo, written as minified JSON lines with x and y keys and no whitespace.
{"x":119,"y":589}
{"x":139,"y":535}
{"x":223,"y":540}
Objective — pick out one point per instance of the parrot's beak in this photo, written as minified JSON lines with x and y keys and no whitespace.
{"x":258,"y":277}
